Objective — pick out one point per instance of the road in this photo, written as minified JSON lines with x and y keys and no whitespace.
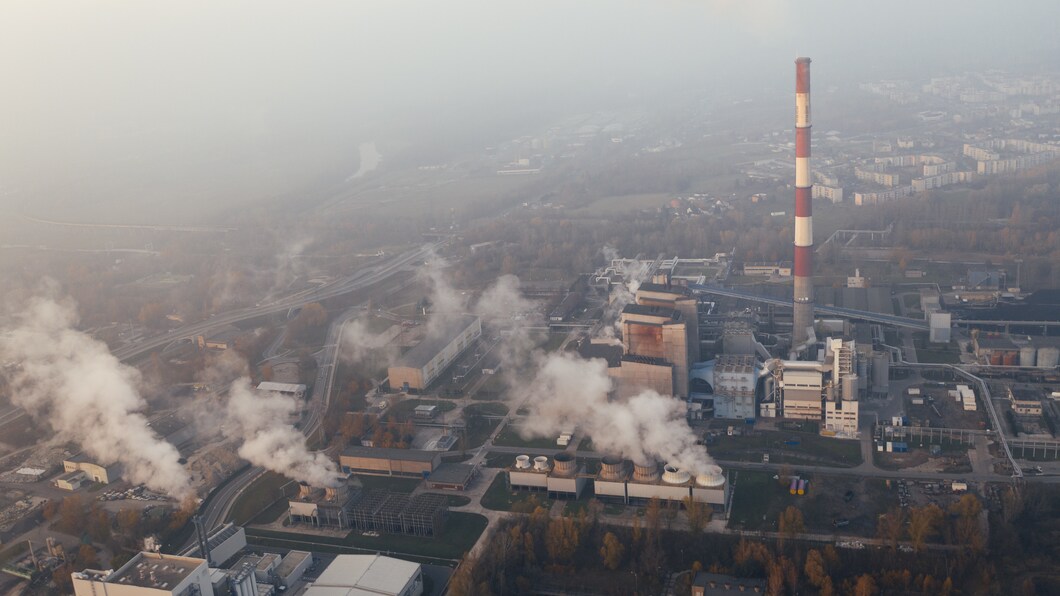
{"x":359,"y":280}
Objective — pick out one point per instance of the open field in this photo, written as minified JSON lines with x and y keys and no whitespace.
{"x":499,"y":498}
{"x":788,"y":447}
{"x":257,"y":497}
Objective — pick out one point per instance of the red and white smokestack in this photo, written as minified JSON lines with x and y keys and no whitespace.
{"x":803,"y":294}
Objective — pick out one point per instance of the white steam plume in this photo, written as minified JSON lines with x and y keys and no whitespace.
{"x":446,"y":302}
{"x":73,"y":383}
{"x":569,"y":391}
{"x":359,"y":344}
{"x":261,"y":421}
{"x":633,"y":274}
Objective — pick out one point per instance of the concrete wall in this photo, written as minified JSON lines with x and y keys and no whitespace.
{"x":528,"y":479}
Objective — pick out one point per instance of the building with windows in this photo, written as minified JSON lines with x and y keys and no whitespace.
{"x":422,"y":365}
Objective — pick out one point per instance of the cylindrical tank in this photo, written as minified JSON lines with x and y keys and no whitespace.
{"x":564,"y":463}
{"x":802,"y":487}
{"x":612,"y":468}
{"x":645,"y":471}
{"x":863,"y":373}
{"x":997,"y":358}
{"x":881,"y":372}
{"x":711,"y":478}
{"x":674,"y":475}
{"x":522,"y":462}
{"x":541,"y":463}
{"x":1048,"y":357}
{"x":850,"y":388}
{"x":1012,"y":358}
{"x":794,"y":487}
{"x":1028,"y":355}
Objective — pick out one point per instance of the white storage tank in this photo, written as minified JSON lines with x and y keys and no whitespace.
{"x":881,"y":372}
{"x":850,"y":387}
{"x":1028,"y":355}
{"x":522,"y":462}
{"x":541,"y":463}
{"x":1048,"y":357}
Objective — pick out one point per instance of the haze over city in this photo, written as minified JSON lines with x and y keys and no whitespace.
{"x":479,"y":297}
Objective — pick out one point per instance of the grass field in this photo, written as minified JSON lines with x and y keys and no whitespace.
{"x":498,"y":497}
{"x":461,"y":532}
{"x":256,"y":498}
{"x":810,"y":448}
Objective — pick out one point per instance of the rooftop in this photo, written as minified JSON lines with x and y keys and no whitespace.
{"x":373,"y":574}
{"x":449,"y":473}
{"x":653,"y":360}
{"x":677,"y":291}
{"x":293,"y":559}
{"x":735,"y":363}
{"x":611,"y":353}
{"x":427,"y":349}
{"x":389,"y":453}
{"x":155,"y":570}
{"x":281,"y":387}
{"x":653,"y":311}
{"x":995,"y":342}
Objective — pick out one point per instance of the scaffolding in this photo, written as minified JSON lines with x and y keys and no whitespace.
{"x":425,"y":515}
{"x":382,"y":511}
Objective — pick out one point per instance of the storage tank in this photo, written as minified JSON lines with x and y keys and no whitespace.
{"x":1028,"y":354}
{"x":1012,"y":358}
{"x":564,"y":463}
{"x":645,"y":471}
{"x":996,"y":358}
{"x":881,"y":372}
{"x":863,"y":374}
{"x":850,"y":387}
{"x":794,"y":487}
{"x":802,"y":487}
{"x":541,"y":463}
{"x":674,"y":475}
{"x":612,"y":468}
{"x":1048,"y":357}
{"x":712,"y":478}
{"x":522,"y":462}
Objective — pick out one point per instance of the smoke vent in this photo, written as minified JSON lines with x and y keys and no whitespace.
{"x":522,"y":462}
{"x":304,"y":490}
{"x":712,"y":478}
{"x":674,"y":475}
{"x":645,"y":471}
{"x":541,"y":463}
{"x":612,"y":468}
{"x":564,"y":463}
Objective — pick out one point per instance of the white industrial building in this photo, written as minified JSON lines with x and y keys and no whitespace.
{"x":350,"y":575}
{"x":562,"y":478}
{"x":638,"y":483}
{"x":286,"y":389}
{"x":223,"y":544}
{"x":147,"y":574}
{"x":423,"y":364}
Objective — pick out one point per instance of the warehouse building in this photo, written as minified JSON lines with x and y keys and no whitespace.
{"x":422,"y":365}
{"x":389,"y":462}
{"x":368,"y":574}
{"x":449,"y":476}
{"x":94,"y":470}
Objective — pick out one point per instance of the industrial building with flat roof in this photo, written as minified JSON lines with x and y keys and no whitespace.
{"x":562,"y":478}
{"x":422,"y":365}
{"x":353,"y":575}
{"x":104,"y":474}
{"x":389,"y":462}
{"x":147,"y":574}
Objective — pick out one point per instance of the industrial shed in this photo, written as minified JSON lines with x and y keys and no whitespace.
{"x":389,"y":462}
{"x":421,"y":365}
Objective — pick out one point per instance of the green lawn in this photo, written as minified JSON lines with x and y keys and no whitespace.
{"x":499,"y":498}
{"x":460,"y":534}
{"x":509,"y":437}
{"x":492,"y":408}
{"x":256,"y":498}
{"x":755,"y":491}
{"x":810,"y":448}
{"x":496,"y":459}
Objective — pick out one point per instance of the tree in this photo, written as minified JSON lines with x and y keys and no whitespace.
{"x":697,"y":515}
{"x":827,"y":589}
{"x":815,"y":569}
{"x":866,"y":586}
{"x":967,"y":529}
{"x":561,"y":539}
{"x":790,"y":523}
{"x":890,"y":526}
{"x":87,"y":557}
{"x":611,"y":552}
{"x":924,"y":524}
{"x":947,"y":587}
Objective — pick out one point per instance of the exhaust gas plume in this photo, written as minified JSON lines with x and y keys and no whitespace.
{"x":568,"y":391}
{"x":269,"y":441}
{"x":71,"y":382}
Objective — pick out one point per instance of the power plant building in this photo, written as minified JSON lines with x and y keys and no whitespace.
{"x":353,"y":575}
{"x":104,"y":474}
{"x":321,"y":506}
{"x":389,"y":462}
{"x":659,"y":332}
{"x":562,"y":478}
{"x":638,"y":483}
{"x":147,"y":574}
{"x":422,"y":365}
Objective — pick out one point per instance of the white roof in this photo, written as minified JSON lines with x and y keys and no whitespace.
{"x":280,"y":387}
{"x":358,"y":574}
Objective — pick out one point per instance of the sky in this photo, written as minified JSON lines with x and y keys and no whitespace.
{"x":113,"y":103}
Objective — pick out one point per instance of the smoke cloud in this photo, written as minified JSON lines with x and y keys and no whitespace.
{"x":633,"y":274}
{"x":568,"y":391}
{"x":446,"y":301}
{"x":260,"y":420}
{"x":359,"y":344}
{"x":72,"y":382}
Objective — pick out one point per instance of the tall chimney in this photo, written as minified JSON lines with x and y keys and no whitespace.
{"x":802,"y":319}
